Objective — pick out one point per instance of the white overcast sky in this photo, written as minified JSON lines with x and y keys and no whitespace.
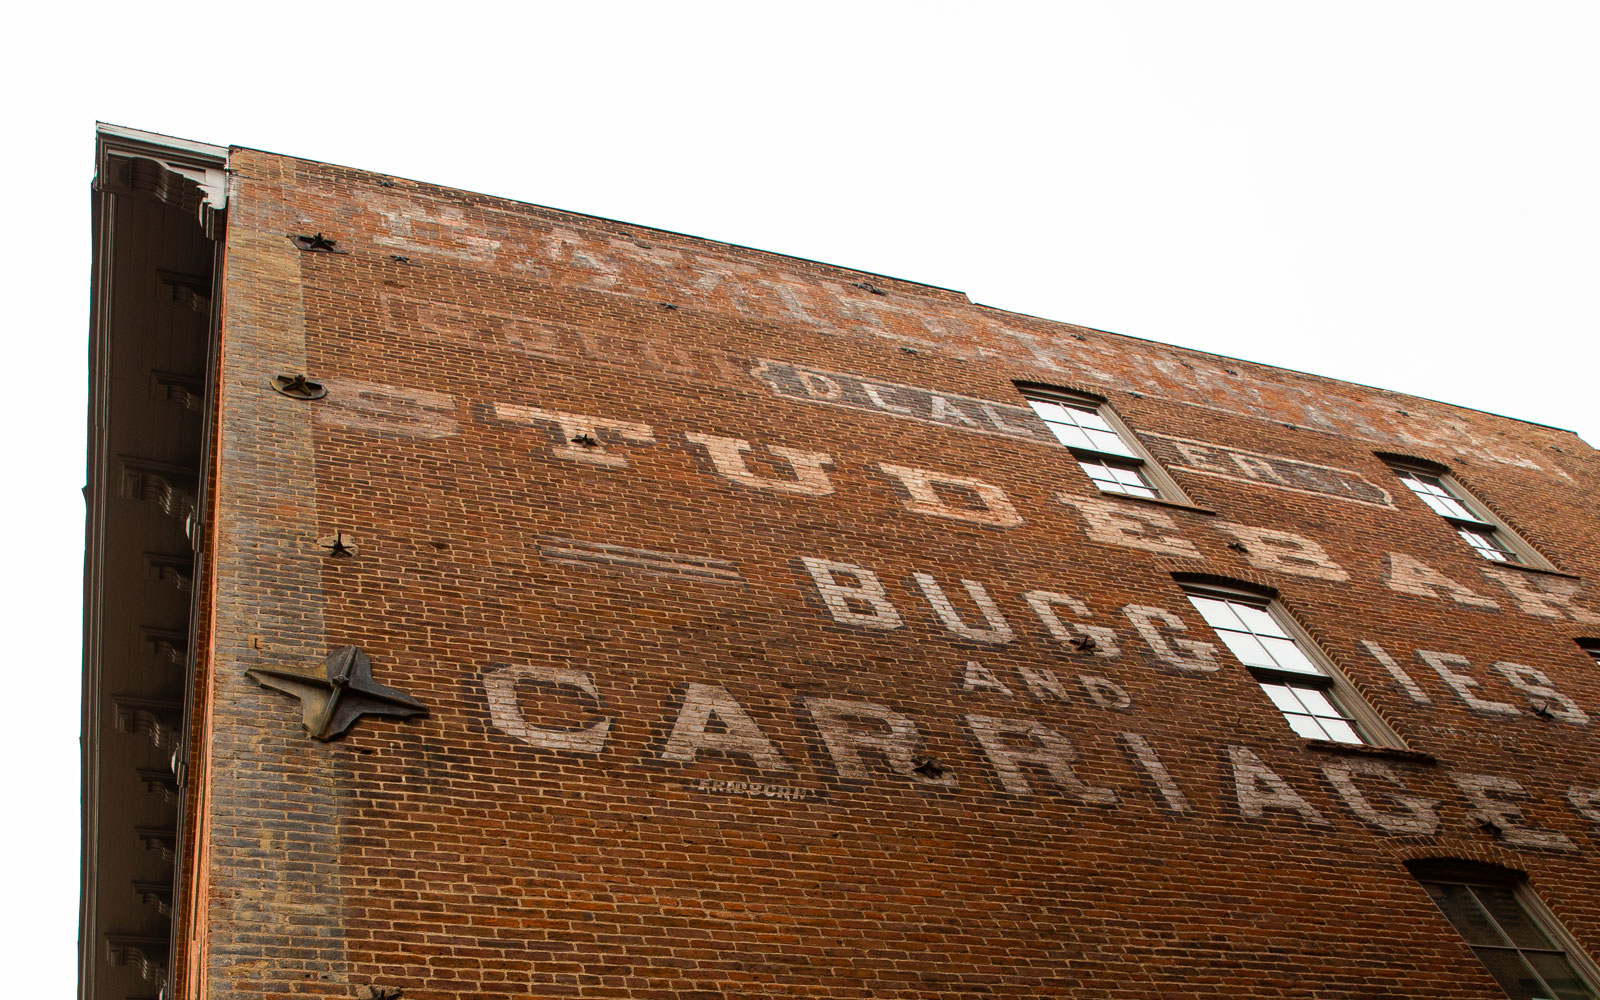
{"x":1405,"y":194}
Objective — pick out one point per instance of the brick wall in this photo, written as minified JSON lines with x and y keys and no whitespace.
{"x":683,"y":672}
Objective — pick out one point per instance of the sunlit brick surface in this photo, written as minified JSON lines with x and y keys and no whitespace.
{"x":773,"y":647}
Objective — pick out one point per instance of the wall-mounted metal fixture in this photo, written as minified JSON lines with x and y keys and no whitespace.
{"x":339,"y":546}
{"x":400,"y":258}
{"x":1489,"y":826}
{"x":316,"y":244}
{"x":667,"y":305}
{"x":587,"y":440}
{"x":1085,"y":643}
{"x":337,"y":693}
{"x":1239,"y":547}
{"x":379,"y":993}
{"x":867,"y":286}
{"x":298,"y":387}
{"x":928,"y":767}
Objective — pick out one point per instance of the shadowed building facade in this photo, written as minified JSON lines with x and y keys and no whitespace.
{"x":487,"y":600}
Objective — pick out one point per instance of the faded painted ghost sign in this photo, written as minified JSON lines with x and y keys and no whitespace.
{"x":1024,"y":754}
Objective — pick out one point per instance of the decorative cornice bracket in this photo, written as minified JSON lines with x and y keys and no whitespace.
{"x":148,"y":955}
{"x":190,"y":176}
{"x":156,"y":720}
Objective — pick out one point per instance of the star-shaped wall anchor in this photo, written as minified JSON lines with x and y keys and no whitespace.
{"x":336,"y":694}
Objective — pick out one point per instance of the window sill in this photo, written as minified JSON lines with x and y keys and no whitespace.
{"x":1366,"y":750}
{"x":1157,"y":501}
{"x":1541,"y":570}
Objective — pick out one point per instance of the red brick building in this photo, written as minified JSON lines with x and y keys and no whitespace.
{"x":490,"y":601}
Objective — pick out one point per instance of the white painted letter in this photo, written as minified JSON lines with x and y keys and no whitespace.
{"x":1145,"y":754}
{"x":1491,"y":794}
{"x":506,"y":714}
{"x":896,"y":739}
{"x":1052,"y":752}
{"x":1401,"y":677}
{"x":1410,"y":575}
{"x":1461,"y":684}
{"x":1105,"y":692}
{"x":993,"y":506}
{"x":1420,"y":817}
{"x":739,"y":733}
{"x":1284,"y":551}
{"x":980,"y":678}
{"x":576,"y":428}
{"x":727,"y":455}
{"x":1043,"y":603}
{"x":1551,"y":597}
{"x":1585,"y":802}
{"x":1258,"y":788}
{"x":1535,"y":683}
{"x":1185,"y":654}
{"x":839,"y":598}
{"x":998,"y":632}
{"x":1113,"y":524}
{"x":1043,"y":684}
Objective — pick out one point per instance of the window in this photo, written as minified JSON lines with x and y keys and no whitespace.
{"x":1108,"y":452}
{"x":1315,"y":700}
{"x":1511,"y":932}
{"x":1480,"y":529}
{"x":1592,"y":647}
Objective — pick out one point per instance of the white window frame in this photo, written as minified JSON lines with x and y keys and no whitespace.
{"x":1477,"y":518}
{"x":1130,"y":457}
{"x":1369,"y":727}
{"x":1478,"y":876}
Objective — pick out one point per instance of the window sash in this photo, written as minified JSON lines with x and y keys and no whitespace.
{"x":1526,"y":961}
{"x":1305,"y":693}
{"x":1482,"y":531}
{"x":1127,"y":478}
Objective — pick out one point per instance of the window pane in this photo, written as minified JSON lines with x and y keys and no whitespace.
{"x":1127,"y":480}
{"x":1513,"y":974}
{"x":1049,"y":410}
{"x":1107,"y":441}
{"x":1283,"y":698}
{"x":1070,"y":435}
{"x":1561,"y":977}
{"x":1129,"y":476}
{"x":1246,"y":647}
{"x":1257,"y":620}
{"x":1459,"y":905}
{"x":1218,"y":614}
{"x":1288,"y":656}
{"x":1514,"y":921}
{"x":1317,"y":703}
{"x":1306,"y":726}
{"x":1434,"y":493}
{"x":1530,"y":966}
{"x":1089,"y":418}
{"x":1488,"y":546}
{"x":1341,"y":731}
